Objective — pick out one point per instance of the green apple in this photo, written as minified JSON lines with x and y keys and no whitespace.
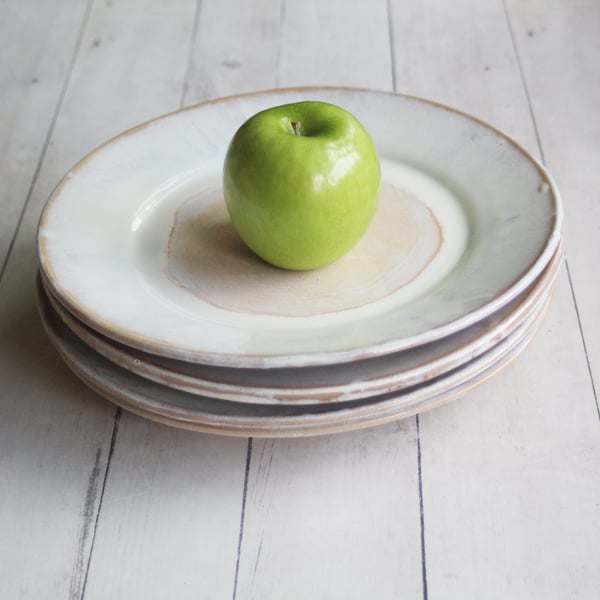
{"x":301,"y":183}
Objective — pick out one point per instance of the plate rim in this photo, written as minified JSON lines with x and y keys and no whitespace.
{"x":309,"y":358}
{"x":143,"y":366}
{"x":358,"y":416}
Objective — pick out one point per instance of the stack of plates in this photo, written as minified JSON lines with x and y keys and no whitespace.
{"x":151,"y":299}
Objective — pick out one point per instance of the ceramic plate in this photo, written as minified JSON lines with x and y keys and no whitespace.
{"x":136,"y":242}
{"x":332,"y":383}
{"x":202,"y":413}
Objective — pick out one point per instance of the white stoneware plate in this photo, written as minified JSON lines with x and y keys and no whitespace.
{"x":331,"y":383}
{"x":136,"y":242}
{"x":202,"y":413}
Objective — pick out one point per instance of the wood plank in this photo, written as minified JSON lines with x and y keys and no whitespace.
{"x":507,"y":470}
{"x":510,"y":477}
{"x":336,"y":516}
{"x":32,"y":79}
{"x":236,"y":50}
{"x":333,"y":516}
{"x":131,"y":68}
{"x":170,"y":518}
{"x":51,"y":472}
{"x":172,"y":498}
{"x":56,"y":437}
{"x":467,"y":63}
{"x":559,"y":48}
{"x":270,"y":44}
{"x":335,"y":43}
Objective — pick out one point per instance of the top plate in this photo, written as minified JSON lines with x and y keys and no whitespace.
{"x":135,"y":240}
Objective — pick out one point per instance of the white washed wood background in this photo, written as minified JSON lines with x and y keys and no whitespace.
{"x":496,"y":495}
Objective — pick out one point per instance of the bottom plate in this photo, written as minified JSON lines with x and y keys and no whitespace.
{"x":206,"y":414}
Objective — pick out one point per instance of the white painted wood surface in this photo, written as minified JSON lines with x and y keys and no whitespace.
{"x":33,"y":76}
{"x":495,"y":495}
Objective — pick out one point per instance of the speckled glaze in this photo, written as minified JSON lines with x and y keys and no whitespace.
{"x":202,"y":413}
{"x":332,"y":383}
{"x":105,"y":239}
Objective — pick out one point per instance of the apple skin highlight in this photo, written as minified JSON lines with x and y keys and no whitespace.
{"x":301,"y":183}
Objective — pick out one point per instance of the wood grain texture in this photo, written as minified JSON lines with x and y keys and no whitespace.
{"x":511,"y":469}
{"x":494,"y":495}
{"x":56,"y":436}
{"x":333,"y":517}
{"x":489,"y":532}
{"x":188,"y":498}
{"x":335,"y":43}
{"x":236,"y":49}
{"x":171,"y":513}
{"x":558,"y":43}
{"x":32,"y":79}
{"x":461,"y":54}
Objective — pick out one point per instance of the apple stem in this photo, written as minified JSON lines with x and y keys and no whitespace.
{"x":296,"y":126}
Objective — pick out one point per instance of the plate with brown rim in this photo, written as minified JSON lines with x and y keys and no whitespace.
{"x":136,"y":243}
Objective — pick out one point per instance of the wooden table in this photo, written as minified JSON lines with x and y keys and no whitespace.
{"x":495,"y":495}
